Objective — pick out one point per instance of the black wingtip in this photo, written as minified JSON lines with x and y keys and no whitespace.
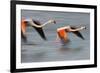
{"x":39,"y":30}
{"x":78,"y":33}
{"x":23,"y":37}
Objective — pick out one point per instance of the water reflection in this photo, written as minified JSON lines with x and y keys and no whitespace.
{"x":68,"y":49}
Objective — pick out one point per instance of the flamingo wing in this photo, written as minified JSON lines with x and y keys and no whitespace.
{"x":23,"y":36}
{"x":23,"y":30}
{"x":77,"y":33}
{"x":39,"y":30}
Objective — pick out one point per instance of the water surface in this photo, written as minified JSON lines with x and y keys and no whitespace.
{"x":38,"y":50}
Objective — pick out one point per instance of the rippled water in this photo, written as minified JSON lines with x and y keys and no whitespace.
{"x":38,"y":50}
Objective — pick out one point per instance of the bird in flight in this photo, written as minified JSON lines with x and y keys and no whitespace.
{"x":62,"y":33}
{"x":36,"y":25}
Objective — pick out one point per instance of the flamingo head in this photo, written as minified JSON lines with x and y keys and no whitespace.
{"x":53,"y":21}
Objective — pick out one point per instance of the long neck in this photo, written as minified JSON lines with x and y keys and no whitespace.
{"x":39,"y":26}
{"x":78,"y":29}
{"x":48,"y":22}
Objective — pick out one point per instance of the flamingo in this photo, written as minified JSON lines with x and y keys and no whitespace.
{"x":62,"y":33}
{"x":36,"y":25}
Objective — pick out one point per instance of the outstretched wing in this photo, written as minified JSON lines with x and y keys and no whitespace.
{"x":77,"y":33}
{"x":39,"y":30}
{"x":23,"y":37}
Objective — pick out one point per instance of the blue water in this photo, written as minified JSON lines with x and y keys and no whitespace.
{"x":38,"y":50}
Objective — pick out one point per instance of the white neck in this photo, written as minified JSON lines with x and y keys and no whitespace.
{"x":39,"y":26}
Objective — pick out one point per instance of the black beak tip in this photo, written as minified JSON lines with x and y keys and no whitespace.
{"x":54,"y":22}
